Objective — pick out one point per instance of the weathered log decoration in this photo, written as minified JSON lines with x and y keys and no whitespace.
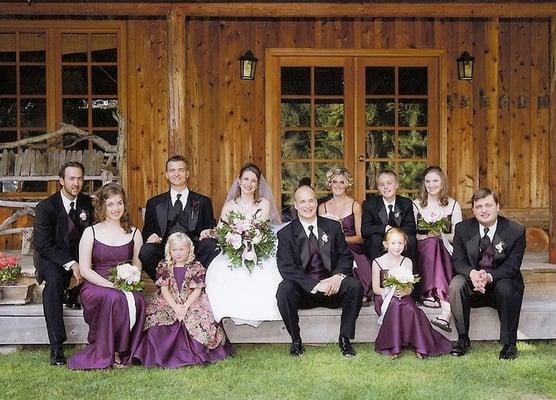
{"x":14,"y":217}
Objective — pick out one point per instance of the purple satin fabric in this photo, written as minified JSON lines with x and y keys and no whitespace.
{"x":435,"y":268}
{"x":363,"y":271}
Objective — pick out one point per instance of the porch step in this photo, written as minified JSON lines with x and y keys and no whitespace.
{"x":25,"y":325}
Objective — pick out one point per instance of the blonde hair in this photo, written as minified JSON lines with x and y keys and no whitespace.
{"x":423,"y":195}
{"x":339,"y":171}
{"x":179,"y":237}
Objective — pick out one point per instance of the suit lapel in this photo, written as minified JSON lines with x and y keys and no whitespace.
{"x":382,"y":214}
{"x":324,"y":245}
{"x":62,"y":217}
{"x":302,"y":243}
{"x":192,"y":210}
{"x":472,"y":245}
{"x":162,"y":212}
{"x":498,"y":241}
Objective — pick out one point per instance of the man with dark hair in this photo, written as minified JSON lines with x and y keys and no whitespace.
{"x":178,"y":210}
{"x":488,"y":251}
{"x":59,"y":222}
{"x":316,"y":264}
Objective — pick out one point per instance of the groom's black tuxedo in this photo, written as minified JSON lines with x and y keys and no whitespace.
{"x":196,"y":216}
{"x":55,"y":245}
{"x":295,"y":291}
{"x":505,"y":292}
{"x":375,"y":219}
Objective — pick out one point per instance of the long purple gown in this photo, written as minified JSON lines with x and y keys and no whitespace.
{"x":172,"y":346}
{"x":106,"y":312}
{"x":363,"y":272}
{"x":406,"y":325}
{"x":434,"y":266}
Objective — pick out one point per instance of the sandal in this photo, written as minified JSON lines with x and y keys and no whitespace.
{"x":442,"y":324}
{"x":430,"y":303}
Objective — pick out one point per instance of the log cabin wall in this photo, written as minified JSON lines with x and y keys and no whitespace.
{"x":497,"y":140}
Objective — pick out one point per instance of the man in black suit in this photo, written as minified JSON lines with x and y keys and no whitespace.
{"x":178,"y":210}
{"x":383,"y":212}
{"x":488,"y":250}
{"x":316,"y":264}
{"x":59,"y":222}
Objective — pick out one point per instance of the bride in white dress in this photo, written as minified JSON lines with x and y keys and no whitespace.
{"x":246,"y":297}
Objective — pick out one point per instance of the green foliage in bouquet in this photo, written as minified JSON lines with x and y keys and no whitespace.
{"x":437,"y":227}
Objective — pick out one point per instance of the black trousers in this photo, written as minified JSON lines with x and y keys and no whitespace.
{"x":152,"y":253}
{"x":56,"y":280}
{"x":292,"y":297}
{"x":505,"y":295}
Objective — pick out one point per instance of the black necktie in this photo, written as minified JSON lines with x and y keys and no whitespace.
{"x":313,"y":241}
{"x":178,"y":205}
{"x":73,"y":213}
{"x":484,"y":243}
{"x":391,"y":217}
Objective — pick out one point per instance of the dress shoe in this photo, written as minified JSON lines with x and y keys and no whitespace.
{"x":461,"y":347}
{"x":296,"y":348}
{"x":57,"y":357}
{"x":345,"y":347}
{"x":71,"y":298}
{"x":508,"y":352}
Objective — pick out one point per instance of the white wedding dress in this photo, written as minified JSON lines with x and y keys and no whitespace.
{"x":245,"y":297}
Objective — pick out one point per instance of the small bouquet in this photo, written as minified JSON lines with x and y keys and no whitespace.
{"x":246,"y":241}
{"x":437,"y":227}
{"x":402,"y":279}
{"x":10,"y":269}
{"x":127,"y":277}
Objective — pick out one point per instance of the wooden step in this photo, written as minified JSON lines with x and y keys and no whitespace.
{"x":25,"y":325}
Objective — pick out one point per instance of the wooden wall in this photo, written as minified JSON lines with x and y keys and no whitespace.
{"x":505,"y":148}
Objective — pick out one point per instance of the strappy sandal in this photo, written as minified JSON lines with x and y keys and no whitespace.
{"x":430,"y":303}
{"x":442,"y":324}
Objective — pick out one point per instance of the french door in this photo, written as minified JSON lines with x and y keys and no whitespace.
{"x":365,"y":110}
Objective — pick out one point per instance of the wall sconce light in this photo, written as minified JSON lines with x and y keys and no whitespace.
{"x":247,"y":65}
{"x":465,"y":66}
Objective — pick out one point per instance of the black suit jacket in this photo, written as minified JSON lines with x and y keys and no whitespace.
{"x":50,"y":233}
{"x":198,"y":210}
{"x":375,"y":216}
{"x":293,"y":251}
{"x":509,"y":246}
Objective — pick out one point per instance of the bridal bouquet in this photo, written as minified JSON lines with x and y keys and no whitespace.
{"x":246,"y":241}
{"x":126,"y":277}
{"x":437,"y":227}
{"x":10,"y":270}
{"x":402,"y":279}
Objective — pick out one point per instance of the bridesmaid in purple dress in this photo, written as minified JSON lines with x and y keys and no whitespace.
{"x":434,"y":247}
{"x":348,"y":211}
{"x":115,"y":319}
{"x":403,"y":324}
{"x":180,"y":327}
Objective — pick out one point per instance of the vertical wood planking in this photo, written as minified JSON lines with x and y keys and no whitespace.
{"x":504,"y":109}
{"x":552,"y":140}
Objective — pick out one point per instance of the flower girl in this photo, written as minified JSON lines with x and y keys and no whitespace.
{"x":402,"y":322}
{"x":180,"y":329}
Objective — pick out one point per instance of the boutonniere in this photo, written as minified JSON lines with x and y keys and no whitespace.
{"x":397,"y":214}
{"x":500,"y":247}
{"x":324,"y":238}
{"x":83,"y":216}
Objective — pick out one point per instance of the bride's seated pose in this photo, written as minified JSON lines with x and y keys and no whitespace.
{"x":245,"y":290}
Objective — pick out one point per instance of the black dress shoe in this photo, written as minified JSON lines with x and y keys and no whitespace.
{"x":508,"y":352}
{"x":296,"y":348}
{"x":57,"y":357}
{"x":345,"y":347}
{"x":71,"y":298}
{"x":461,"y":347}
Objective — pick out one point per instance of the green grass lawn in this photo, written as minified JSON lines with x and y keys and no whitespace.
{"x":267,"y":372}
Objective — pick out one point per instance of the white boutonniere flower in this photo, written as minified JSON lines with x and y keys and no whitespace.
{"x":500,"y":247}
{"x":83,"y":216}
{"x":324,"y":238}
{"x":397,"y":214}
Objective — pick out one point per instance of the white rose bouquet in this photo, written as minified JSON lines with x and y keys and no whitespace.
{"x":246,"y":241}
{"x":126,"y":277}
{"x":401,"y":279}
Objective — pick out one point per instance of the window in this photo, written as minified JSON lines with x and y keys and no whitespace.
{"x":351,"y":108}
{"x":54,"y":75}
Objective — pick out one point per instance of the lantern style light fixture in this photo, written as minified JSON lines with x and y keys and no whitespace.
{"x":247,"y":65}
{"x":465,"y":66}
